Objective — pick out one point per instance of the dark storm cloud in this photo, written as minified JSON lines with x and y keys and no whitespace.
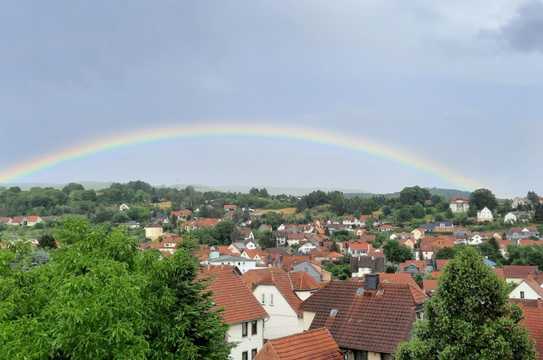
{"x":525,"y":30}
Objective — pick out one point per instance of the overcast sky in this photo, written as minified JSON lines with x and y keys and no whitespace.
{"x":459,"y":82}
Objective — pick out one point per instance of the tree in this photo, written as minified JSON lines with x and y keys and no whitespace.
{"x":482,"y":198}
{"x":72,"y":187}
{"x":533,"y":198}
{"x":469,"y":317}
{"x":47,"y":241}
{"x":99,"y":297}
{"x":538,"y":217}
{"x":413,"y":195}
{"x":224,"y":232}
{"x":397,"y":253}
{"x":265,"y":239}
{"x":445,"y":253}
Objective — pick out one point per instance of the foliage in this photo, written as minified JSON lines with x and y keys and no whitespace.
{"x":396,"y":252}
{"x":342,"y":235}
{"x":413,"y":195}
{"x":339,"y":271}
{"x":482,"y":198}
{"x":525,"y":255}
{"x":469,"y":317}
{"x":445,"y":253}
{"x":99,"y":297}
{"x":265,"y":239}
{"x":47,"y":241}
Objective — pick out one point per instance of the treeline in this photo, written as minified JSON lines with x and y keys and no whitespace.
{"x":75,"y":199}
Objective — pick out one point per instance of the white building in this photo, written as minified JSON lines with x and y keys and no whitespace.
{"x":485,"y":215}
{"x":241,"y":263}
{"x":124,"y":207}
{"x":273,"y":288}
{"x":242,"y":313}
{"x":153,"y":232}
{"x":528,"y":289}
{"x":306,"y":248}
{"x":459,"y":205}
{"x":510,"y":218}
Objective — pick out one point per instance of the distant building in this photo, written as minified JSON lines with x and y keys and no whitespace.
{"x":510,"y":218}
{"x":459,"y":205}
{"x":153,"y":232}
{"x":124,"y":207}
{"x":241,"y":263}
{"x":485,"y":215}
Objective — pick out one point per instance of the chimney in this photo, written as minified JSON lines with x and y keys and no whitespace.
{"x":371,"y":281}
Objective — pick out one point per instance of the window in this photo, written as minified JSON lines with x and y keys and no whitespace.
{"x":253,"y":354}
{"x":244,"y":329}
{"x":522,"y":294}
{"x":254,"y":328}
{"x":263,"y":299}
{"x":245,"y":355}
{"x":271,"y":299}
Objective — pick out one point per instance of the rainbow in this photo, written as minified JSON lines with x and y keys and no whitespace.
{"x":356,"y":143}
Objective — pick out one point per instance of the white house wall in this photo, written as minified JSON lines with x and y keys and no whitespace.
{"x":245,"y":343}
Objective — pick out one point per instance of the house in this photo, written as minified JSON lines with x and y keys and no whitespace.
{"x":315,"y":344}
{"x":167,"y":245}
{"x":510,"y":218}
{"x":385,"y":227}
{"x":124,"y":207}
{"x":352,"y":221}
{"x":307,"y":248}
{"x":519,"y":202}
{"x":242,"y":313}
{"x":404,"y":278}
{"x":459,"y":205}
{"x":32,"y":220}
{"x":153,"y":232}
{"x":514,"y":274}
{"x":357,"y":249}
{"x":254,"y":254}
{"x":202,"y":223}
{"x":439,"y":227}
{"x":312,"y":269}
{"x":418,"y":233}
{"x":274,"y":289}
{"x":430,"y":286}
{"x":4,"y":220}
{"x":432,"y":244}
{"x":475,"y":239}
{"x":230,"y":207}
{"x":363,"y":265}
{"x":304,"y":285}
{"x":241,"y":263}
{"x":181,"y":215}
{"x":414,"y":266}
{"x":485,"y":215}
{"x":515,"y":234}
{"x":528,"y":289}
{"x":532,"y":319}
{"x":245,"y":233}
{"x":367,"y":319}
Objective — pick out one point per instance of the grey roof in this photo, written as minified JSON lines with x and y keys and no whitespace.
{"x":229,"y":258}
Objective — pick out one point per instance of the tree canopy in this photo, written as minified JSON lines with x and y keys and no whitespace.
{"x":469,"y":317}
{"x":99,"y":297}
{"x":482,"y":198}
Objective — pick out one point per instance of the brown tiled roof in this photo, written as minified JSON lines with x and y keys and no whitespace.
{"x":519,"y":271}
{"x":429,"y":285}
{"x":434,"y":243}
{"x":533,"y":321}
{"x":369,"y":320}
{"x":291,"y":260}
{"x":230,"y":294}
{"x":302,"y":281}
{"x":405,"y":278}
{"x":441,"y":263}
{"x":315,"y":344}
{"x":277,"y":277}
{"x":419,"y":264}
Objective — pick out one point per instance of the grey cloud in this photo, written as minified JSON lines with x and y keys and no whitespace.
{"x":525,"y":31}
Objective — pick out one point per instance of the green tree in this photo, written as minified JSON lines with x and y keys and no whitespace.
{"x":469,"y":317}
{"x":481,"y":198}
{"x":533,"y":198}
{"x":99,"y":297}
{"x":413,"y":195}
{"x":47,"y":241}
{"x":445,"y":253}
{"x":538,"y":217}
{"x":397,"y":253}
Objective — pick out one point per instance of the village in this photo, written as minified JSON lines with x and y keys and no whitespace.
{"x":349,"y":286}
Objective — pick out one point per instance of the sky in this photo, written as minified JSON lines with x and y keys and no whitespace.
{"x":459,"y":83}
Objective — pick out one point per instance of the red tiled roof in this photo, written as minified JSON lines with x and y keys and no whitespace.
{"x":441,"y":263}
{"x":419,"y":264}
{"x":291,"y":260}
{"x":359,"y":246}
{"x":404,"y":278}
{"x":430,"y":285}
{"x":204,"y":222}
{"x":434,"y":243}
{"x":302,"y":281}
{"x":533,"y":321}
{"x":315,"y":344}
{"x":519,"y":271}
{"x":230,"y":294}
{"x":277,"y":277}
{"x":181,"y":213}
{"x":375,"y":321}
